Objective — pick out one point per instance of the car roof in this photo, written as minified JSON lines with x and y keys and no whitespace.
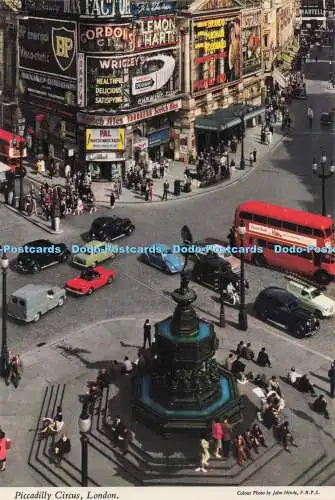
{"x":214,"y":260}
{"x":162,"y":246}
{"x":28,"y":291}
{"x":38,"y":243}
{"x":214,"y":241}
{"x":95,"y":243}
{"x":276,"y":291}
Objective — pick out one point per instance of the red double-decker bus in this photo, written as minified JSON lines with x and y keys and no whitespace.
{"x":10,"y":148}
{"x":292,"y":240}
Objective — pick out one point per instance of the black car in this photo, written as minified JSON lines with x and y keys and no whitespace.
{"x":40,"y":254}
{"x":278,"y":306}
{"x":328,"y":118}
{"x":207,"y":268}
{"x":110,"y":228}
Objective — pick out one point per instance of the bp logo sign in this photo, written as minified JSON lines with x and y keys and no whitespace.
{"x":63,"y":46}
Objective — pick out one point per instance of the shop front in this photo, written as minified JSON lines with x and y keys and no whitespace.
{"x":159,"y":144}
{"x":112,"y":142}
{"x":105,"y":153}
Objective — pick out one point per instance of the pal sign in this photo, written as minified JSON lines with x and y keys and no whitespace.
{"x":107,"y":139}
{"x":151,"y":82}
{"x":106,"y":8}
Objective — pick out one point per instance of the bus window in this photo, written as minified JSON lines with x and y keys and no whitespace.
{"x":317,"y":259}
{"x":305,"y":230}
{"x":271,"y":246}
{"x":329,"y":231}
{"x":290,"y":226}
{"x":318,"y":232}
{"x":260,"y":218}
{"x":261,"y":243}
{"x":274,"y":222}
{"x":246,"y":215}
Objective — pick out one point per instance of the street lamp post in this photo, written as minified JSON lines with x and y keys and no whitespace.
{"x":242,"y":316}
{"x":323,"y":175}
{"x":21,"y":129}
{"x":222,"y":321}
{"x":4,"y":347}
{"x":84,"y":423}
{"x":242,"y":161}
{"x":13,"y":178}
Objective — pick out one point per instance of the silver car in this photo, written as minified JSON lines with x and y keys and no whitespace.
{"x":30,"y":302}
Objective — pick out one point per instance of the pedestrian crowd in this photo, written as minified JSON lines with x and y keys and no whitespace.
{"x":141,"y":177}
{"x":73,"y":199}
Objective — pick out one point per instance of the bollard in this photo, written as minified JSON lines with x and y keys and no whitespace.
{"x":56,"y":224}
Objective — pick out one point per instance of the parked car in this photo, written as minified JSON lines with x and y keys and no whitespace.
{"x":328,"y":118}
{"x":206,"y":269}
{"x":93,"y":254}
{"x":90,"y":280}
{"x":164,"y":259}
{"x":110,"y":228}
{"x":282,"y":308}
{"x":219,"y":248}
{"x":41,"y":254}
{"x":312,"y":298}
{"x":30,"y":302}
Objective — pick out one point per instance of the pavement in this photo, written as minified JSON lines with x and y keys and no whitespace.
{"x":176,"y":171}
{"x":57,"y":373}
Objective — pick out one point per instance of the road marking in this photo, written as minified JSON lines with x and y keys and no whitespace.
{"x":267,"y":330}
{"x":294,"y":342}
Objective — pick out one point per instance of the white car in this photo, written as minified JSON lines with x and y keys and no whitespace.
{"x":312,"y":298}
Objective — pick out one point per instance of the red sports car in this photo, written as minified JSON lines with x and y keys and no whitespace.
{"x":90,"y":280}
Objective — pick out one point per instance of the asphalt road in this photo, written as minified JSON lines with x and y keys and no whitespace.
{"x":285,"y":177}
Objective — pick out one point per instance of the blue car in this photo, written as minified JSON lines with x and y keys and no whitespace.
{"x":164,"y":259}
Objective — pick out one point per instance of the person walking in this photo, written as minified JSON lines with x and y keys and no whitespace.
{"x":112,"y":200}
{"x":204,"y":456}
{"x":310,"y":116}
{"x":147,"y":333}
{"x":166,"y":187}
{"x":226,"y":437}
{"x":5,"y":445}
{"x":254,"y":154}
{"x":331,"y":376}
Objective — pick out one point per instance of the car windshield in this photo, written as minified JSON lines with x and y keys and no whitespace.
{"x":89,"y":275}
{"x":315,"y":293}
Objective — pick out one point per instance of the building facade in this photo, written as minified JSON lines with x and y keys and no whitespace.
{"x":222,"y":60}
{"x":8,"y":62}
{"x":102,"y":79}
{"x":117,"y":80}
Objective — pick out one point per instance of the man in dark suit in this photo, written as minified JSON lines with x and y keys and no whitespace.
{"x":147,"y":333}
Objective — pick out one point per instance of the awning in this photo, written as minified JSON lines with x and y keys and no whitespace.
{"x":280,"y":78}
{"x":223,"y":119}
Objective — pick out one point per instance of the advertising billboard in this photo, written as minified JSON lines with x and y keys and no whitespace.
{"x":154,"y":32}
{"x":105,"y":139}
{"x":84,"y":8}
{"x":47,"y":58}
{"x":156,"y":8}
{"x":122,"y":82}
{"x":108,"y":38}
{"x":217,"y":52}
{"x":251,"y":42}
